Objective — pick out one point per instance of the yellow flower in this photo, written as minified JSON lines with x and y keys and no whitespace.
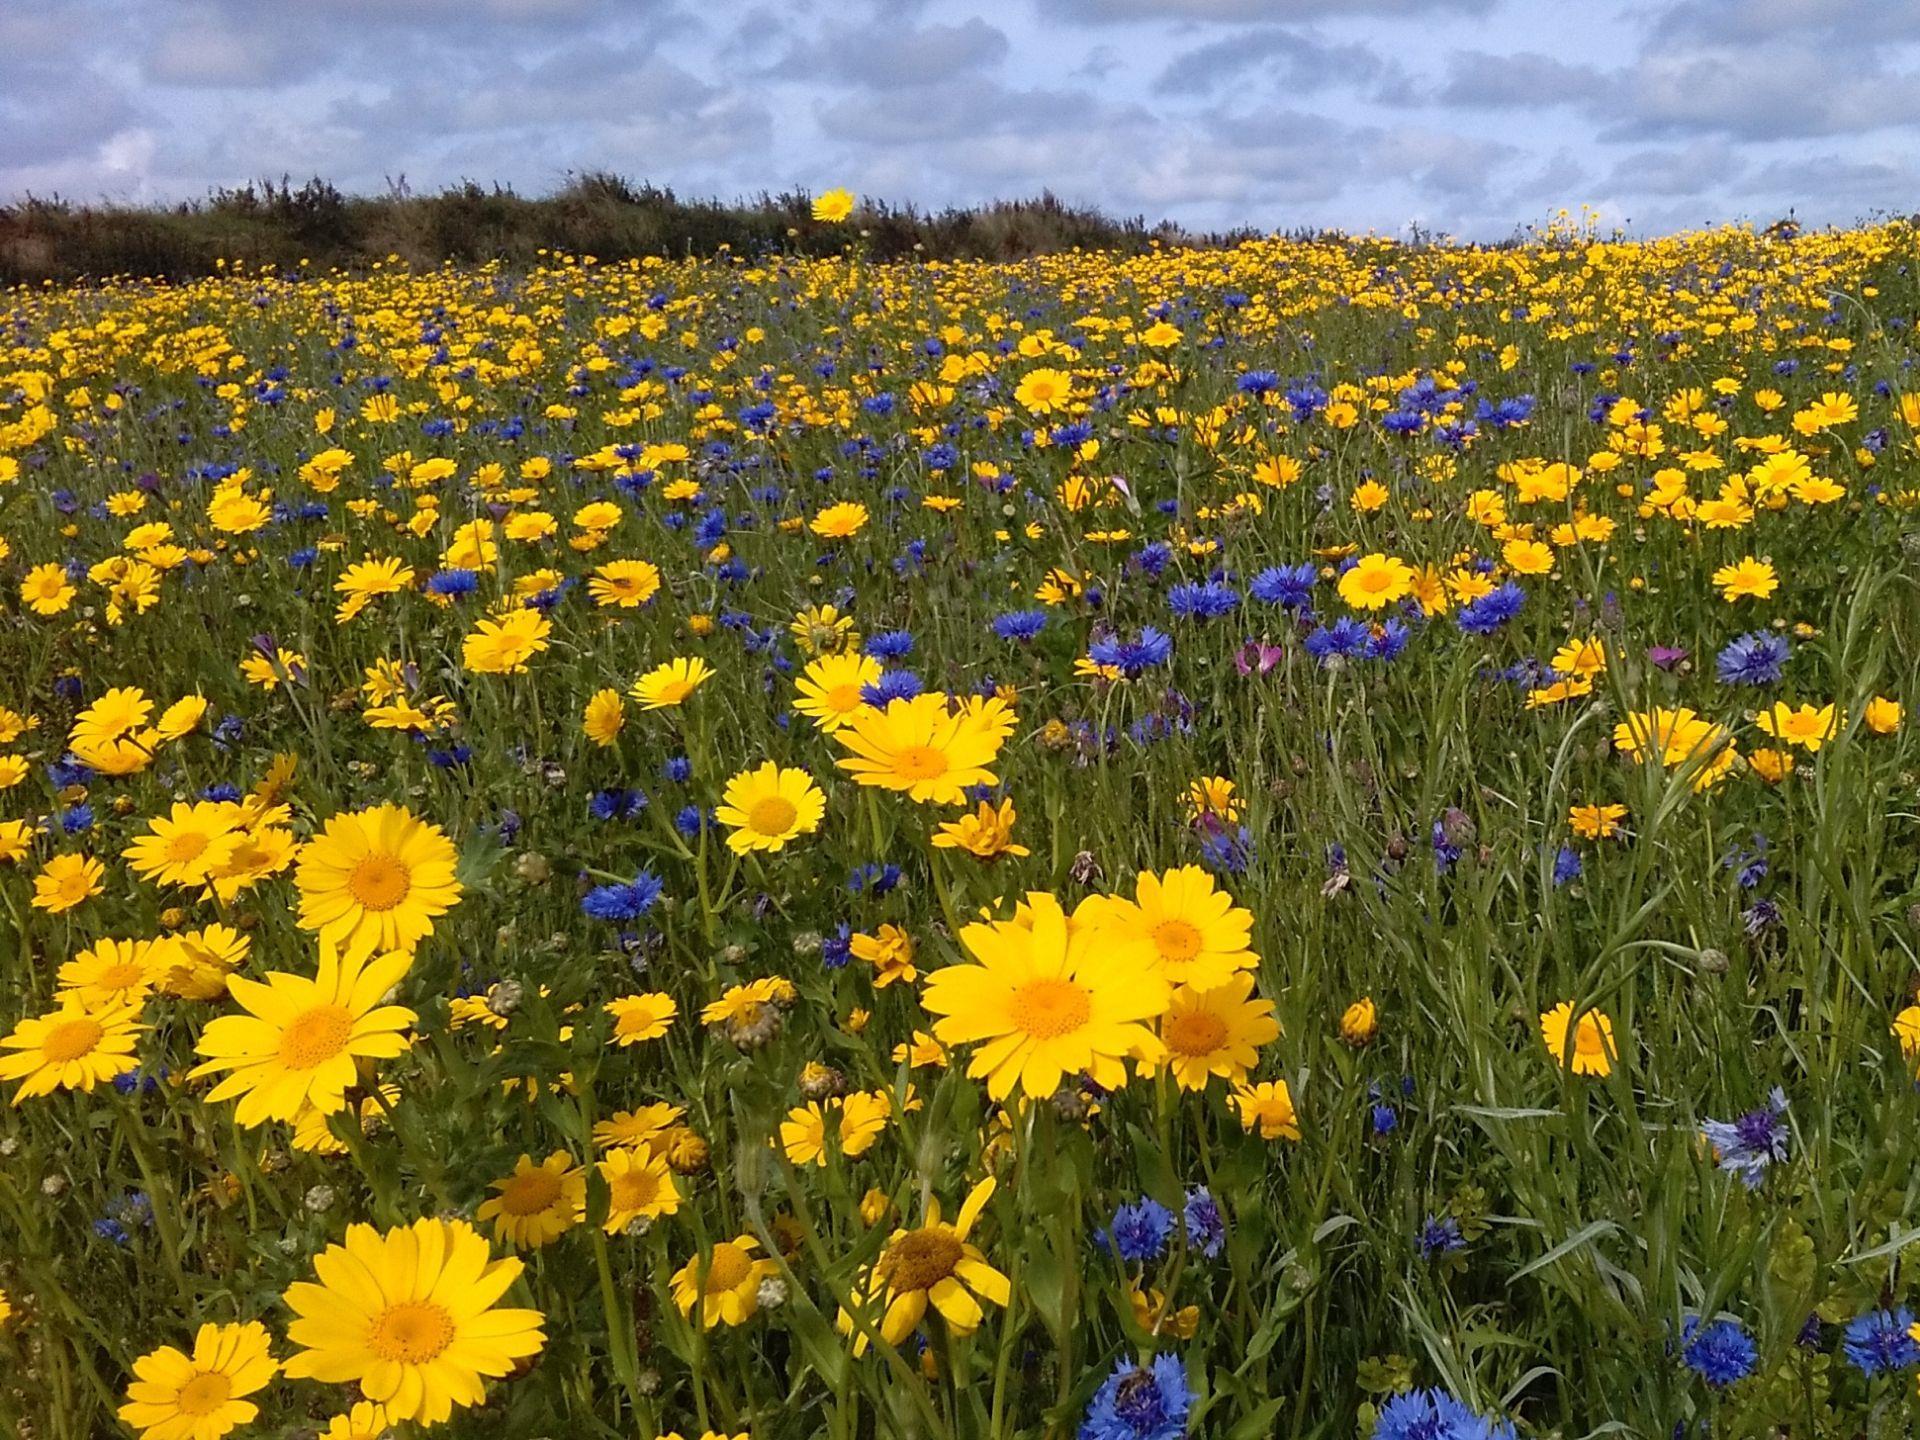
{"x":1044,"y":391}
{"x":987,"y":834}
{"x":828,"y":690}
{"x":376,"y":880}
{"x":1596,"y":822}
{"x":605,"y":714}
{"x":1212,"y":795}
{"x":1586,"y":1048}
{"x":503,"y":647}
{"x":668,"y":685}
{"x":184,"y":847}
{"x":1046,"y":1002}
{"x":113,"y":972}
{"x":537,"y":1204}
{"x":298,"y":1044}
{"x":200,"y":1396}
{"x":1268,"y":1108}
{"x":71,"y":1048}
{"x":863,"y":1119}
{"x":625,"y":583}
{"x":1806,"y":727}
{"x":840,"y":522}
{"x":365,"y":1421}
{"x":1200,"y":937}
{"x":1360,"y":1022}
{"x":724,"y":1283}
{"x":1375,"y":582}
{"x":1882,"y":716}
{"x":768,"y":807}
{"x":833,"y":206}
{"x":1214,"y":1032}
{"x":889,"y":951}
{"x":639,"y":1187}
{"x":46,"y":591}
{"x":934,"y":1265}
{"x":411,"y":1317}
{"x":1747,"y":578}
{"x":66,"y":881}
{"x":919,"y":746}
{"x":641,"y":1017}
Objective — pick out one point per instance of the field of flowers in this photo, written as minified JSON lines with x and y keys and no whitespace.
{"x":1311,"y":839}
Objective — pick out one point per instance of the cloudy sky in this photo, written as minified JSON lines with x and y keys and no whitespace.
{"x":1468,"y":116}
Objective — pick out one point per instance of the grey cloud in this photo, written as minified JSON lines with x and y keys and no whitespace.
{"x":1270,"y":57}
{"x":1248,"y":11}
{"x":1767,"y":93}
{"x":1527,"y":81}
{"x":895,"y":56}
{"x":1680,"y":170}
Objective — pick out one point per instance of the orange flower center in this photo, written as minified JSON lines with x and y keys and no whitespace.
{"x":530,"y":1193}
{"x":379,"y":882}
{"x":186,"y":845}
{"x":773,"y":815}
{"x":921,"y":1259}
{"x":123,"y":976}
{"x":634,"y":1190}
{"x":204,"y":1394}
{"x":315,"y":1037}
{"x":71,"y":1039}
{"x":411,"y":1333}
{"x":1048,"y":1008}
{"x":672,"y":692}
{"x":1177,"y":940}
{"x":920,"y":762}
{"x":728,"y":1268}
{"x":843,"y":697}
{"x":1197,"y":1032}
{"x":1588,"y":1039}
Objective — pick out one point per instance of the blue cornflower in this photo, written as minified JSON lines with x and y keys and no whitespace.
{"x":1287,"y":585}
{"x":1492,"y":610}
{"x":1345,"y":636}
{"x":1140,"y":1402}
{"x":837,"y":949}
{"x":1228,"y":851}
{"x":678,"y":770}
{"x":1435,"y":1415}
{"x":1720,"y":1352}
{"x":688,"y":820}
{"x":1566,"y":866}
{"x":1386,"y":640}
{"x":1748,"y":1145}
{"x":1878,"y":1342}
{"x":1386,"y":1120}
{"x":76,"y":819}
{"x":1132,"y":657}
{"x":1020,"y":625}
{"x":617,"y":804}
{"x":451,"y":583}
{"x":623,"y":902}
{"x":892,"y":685}
{"x":1140,"y":1232}
{"x":1206,"y":1226}
{"x":873,"y":879}
{"x":1153,"y":558}
{"x":1257,"y":382}
{"x":1192,"y":601}
{"x":889,"y":645}
{"x":1440,"y":1236}
{"x":1754,"y":659}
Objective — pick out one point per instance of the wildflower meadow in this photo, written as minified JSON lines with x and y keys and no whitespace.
{"x":1311,"y":838}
